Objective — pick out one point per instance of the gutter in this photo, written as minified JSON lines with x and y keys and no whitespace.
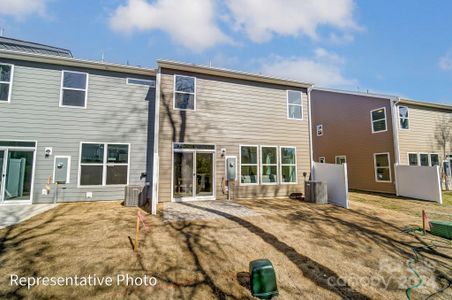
{"x":395,"y":136}
{"x":155,"y":171}
{"x":311,"y":152}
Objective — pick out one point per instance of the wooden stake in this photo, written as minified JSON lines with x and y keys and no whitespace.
{"x":423,"y":221}
{"x":137,"y":234}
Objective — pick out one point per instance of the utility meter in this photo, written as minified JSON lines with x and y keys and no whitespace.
{"x":231,"y":168}
{"x":61,"y":169}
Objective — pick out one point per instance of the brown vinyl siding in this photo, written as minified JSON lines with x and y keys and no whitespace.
{"x":347,"y":131}
{"x":231,"y":112}
{"x":420,"y":137}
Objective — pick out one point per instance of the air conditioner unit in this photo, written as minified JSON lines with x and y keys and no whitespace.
{"x":316,"y":192}
{"x":133,"y":195}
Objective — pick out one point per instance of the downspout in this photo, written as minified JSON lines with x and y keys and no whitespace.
{"x":155,"y":171}
{"x":395,"y":136}
{"x":311,"y":152}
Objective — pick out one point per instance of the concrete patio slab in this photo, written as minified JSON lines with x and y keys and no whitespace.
{"x":203,"y":210}
{"x":11,"y":214}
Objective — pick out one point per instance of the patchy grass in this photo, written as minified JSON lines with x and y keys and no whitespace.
{"x":447,"y":198}
{"x":314,"y":250}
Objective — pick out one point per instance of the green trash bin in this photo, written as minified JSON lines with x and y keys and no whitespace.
{"x":263,"y":279}
{"x":441,"y":228}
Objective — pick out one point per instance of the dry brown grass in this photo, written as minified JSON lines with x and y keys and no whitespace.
{"x":203,"y":259}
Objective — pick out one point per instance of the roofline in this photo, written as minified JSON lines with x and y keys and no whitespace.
{"x":425,"y":104}
{"x":372,"y":95}
{"x":74,"y":62}
{"x":37,"y":45}
{"x":167,"y":64}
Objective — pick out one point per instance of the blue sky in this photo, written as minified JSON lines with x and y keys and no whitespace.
{"x":399,"y":47}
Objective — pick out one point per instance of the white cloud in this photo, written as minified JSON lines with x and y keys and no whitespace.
{"x":22,"y":8}
{"x":445,"y":62}
{"x":324,"y":69}
{"x":189,"y":23}
{"x":261,"y":19}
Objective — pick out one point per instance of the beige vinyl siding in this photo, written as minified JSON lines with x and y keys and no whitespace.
{"x":229,"y":113}
{"x":420,"y":137}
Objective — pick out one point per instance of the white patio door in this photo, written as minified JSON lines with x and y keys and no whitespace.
{"x":193,"y":174}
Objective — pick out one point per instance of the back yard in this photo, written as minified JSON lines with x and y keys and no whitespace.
{"x":196,"y":250}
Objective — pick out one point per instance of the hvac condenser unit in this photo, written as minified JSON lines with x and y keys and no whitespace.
{"x":316,"y":192}
{"x":133,"y":195}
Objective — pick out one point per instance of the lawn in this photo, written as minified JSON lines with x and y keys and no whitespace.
{"x":319,"y":252}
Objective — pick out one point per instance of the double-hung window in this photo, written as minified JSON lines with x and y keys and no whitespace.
{"x":269,"y":164}
{"x":184,"y":92}
{"x":434,"y":159}
{"x":295,"y":105}
{"x":6,"y":81}
{"x":248,"y":165}
{"x":413,"y":159}
{"x":288,"y":159}
{"x":74,"y":89}
{"x":104,"y":164}
{"x":403,"y":116}
{"x":378,"y":117}
{"x":424,"y":159}
{"x":382,"y":167}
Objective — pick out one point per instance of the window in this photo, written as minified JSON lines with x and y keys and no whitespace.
{"x":341,"y":159}
{"x":382,"y":167}
{"x":378,"y":117}
{"x":412,"y":159}
{"x":319,"y":130}
{"x":137,"y":81}
{"x":423,"y":159}
{"x":74,"y":89}
{"x":288,"y":165}
{"x":6,"y":81}
{"x":294,"y":105}
{"x":184,"y":92}
{"x":322,"y":159}
{"x":434,"y":159}
{"x":403,"y":116}
{"x":269,"y":165}
{"x":248,"y":165}
{"x":104,"y":164}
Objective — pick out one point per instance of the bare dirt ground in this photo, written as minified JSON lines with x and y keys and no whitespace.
{"x":319,"y":252}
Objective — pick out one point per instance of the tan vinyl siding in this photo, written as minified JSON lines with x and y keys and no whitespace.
{"x":420,"y":137}
{"x":229,"y":113}
{"x":347,"y":131}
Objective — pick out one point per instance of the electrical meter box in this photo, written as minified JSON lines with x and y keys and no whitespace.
{"x":61,"y":170}
{"x":231,"y":168}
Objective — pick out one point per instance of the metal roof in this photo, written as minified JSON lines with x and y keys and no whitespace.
{"x":25,"y":46}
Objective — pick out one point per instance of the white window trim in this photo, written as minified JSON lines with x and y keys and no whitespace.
{"x":152,"y":82}
{"x":270,"y":165}
{"x":400,"y":118}
{"x":288,"y":104}
{"x":68,"y":175}
{"x":174,"y":93}
{"x":62,"y":88}
{"x":294,"y":164}
{"x":373,"y":121}
{"x":256,"y":164}
{"x":10,"y":83}
{"x":340,"y":156}
{"x":322,"y":159}
{"x":408,"y":158}
{"x":104,"y":165}
{"x":388,"y":167}
{"x":317,"y":129}
{"x":428,"y":159}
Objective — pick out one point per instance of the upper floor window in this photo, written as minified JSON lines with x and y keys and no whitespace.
{"x":74,"y":89}
{"x":403,"y":115}
{"x":378,"y":117}
{"x":6,"y":81}
{"x":184,"y":92}
{"x":294,"y":105}
{"x":319,"y":130}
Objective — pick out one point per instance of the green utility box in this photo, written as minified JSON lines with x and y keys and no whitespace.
{"x":263,"y":279}
{"x":441,"y":228}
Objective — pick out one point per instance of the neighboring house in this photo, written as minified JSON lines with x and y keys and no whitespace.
{"x":208,"y":114}
{"x":372,"y":132}
{"x":79,"y":123}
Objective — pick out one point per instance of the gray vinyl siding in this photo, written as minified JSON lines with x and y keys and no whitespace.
{"x":115,"y":113}
{"x":230,"y":113}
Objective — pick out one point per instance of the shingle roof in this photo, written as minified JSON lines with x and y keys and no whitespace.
{"x":24,"y":46}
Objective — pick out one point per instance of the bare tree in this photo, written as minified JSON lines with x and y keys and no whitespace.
{"x":443,"y":137}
